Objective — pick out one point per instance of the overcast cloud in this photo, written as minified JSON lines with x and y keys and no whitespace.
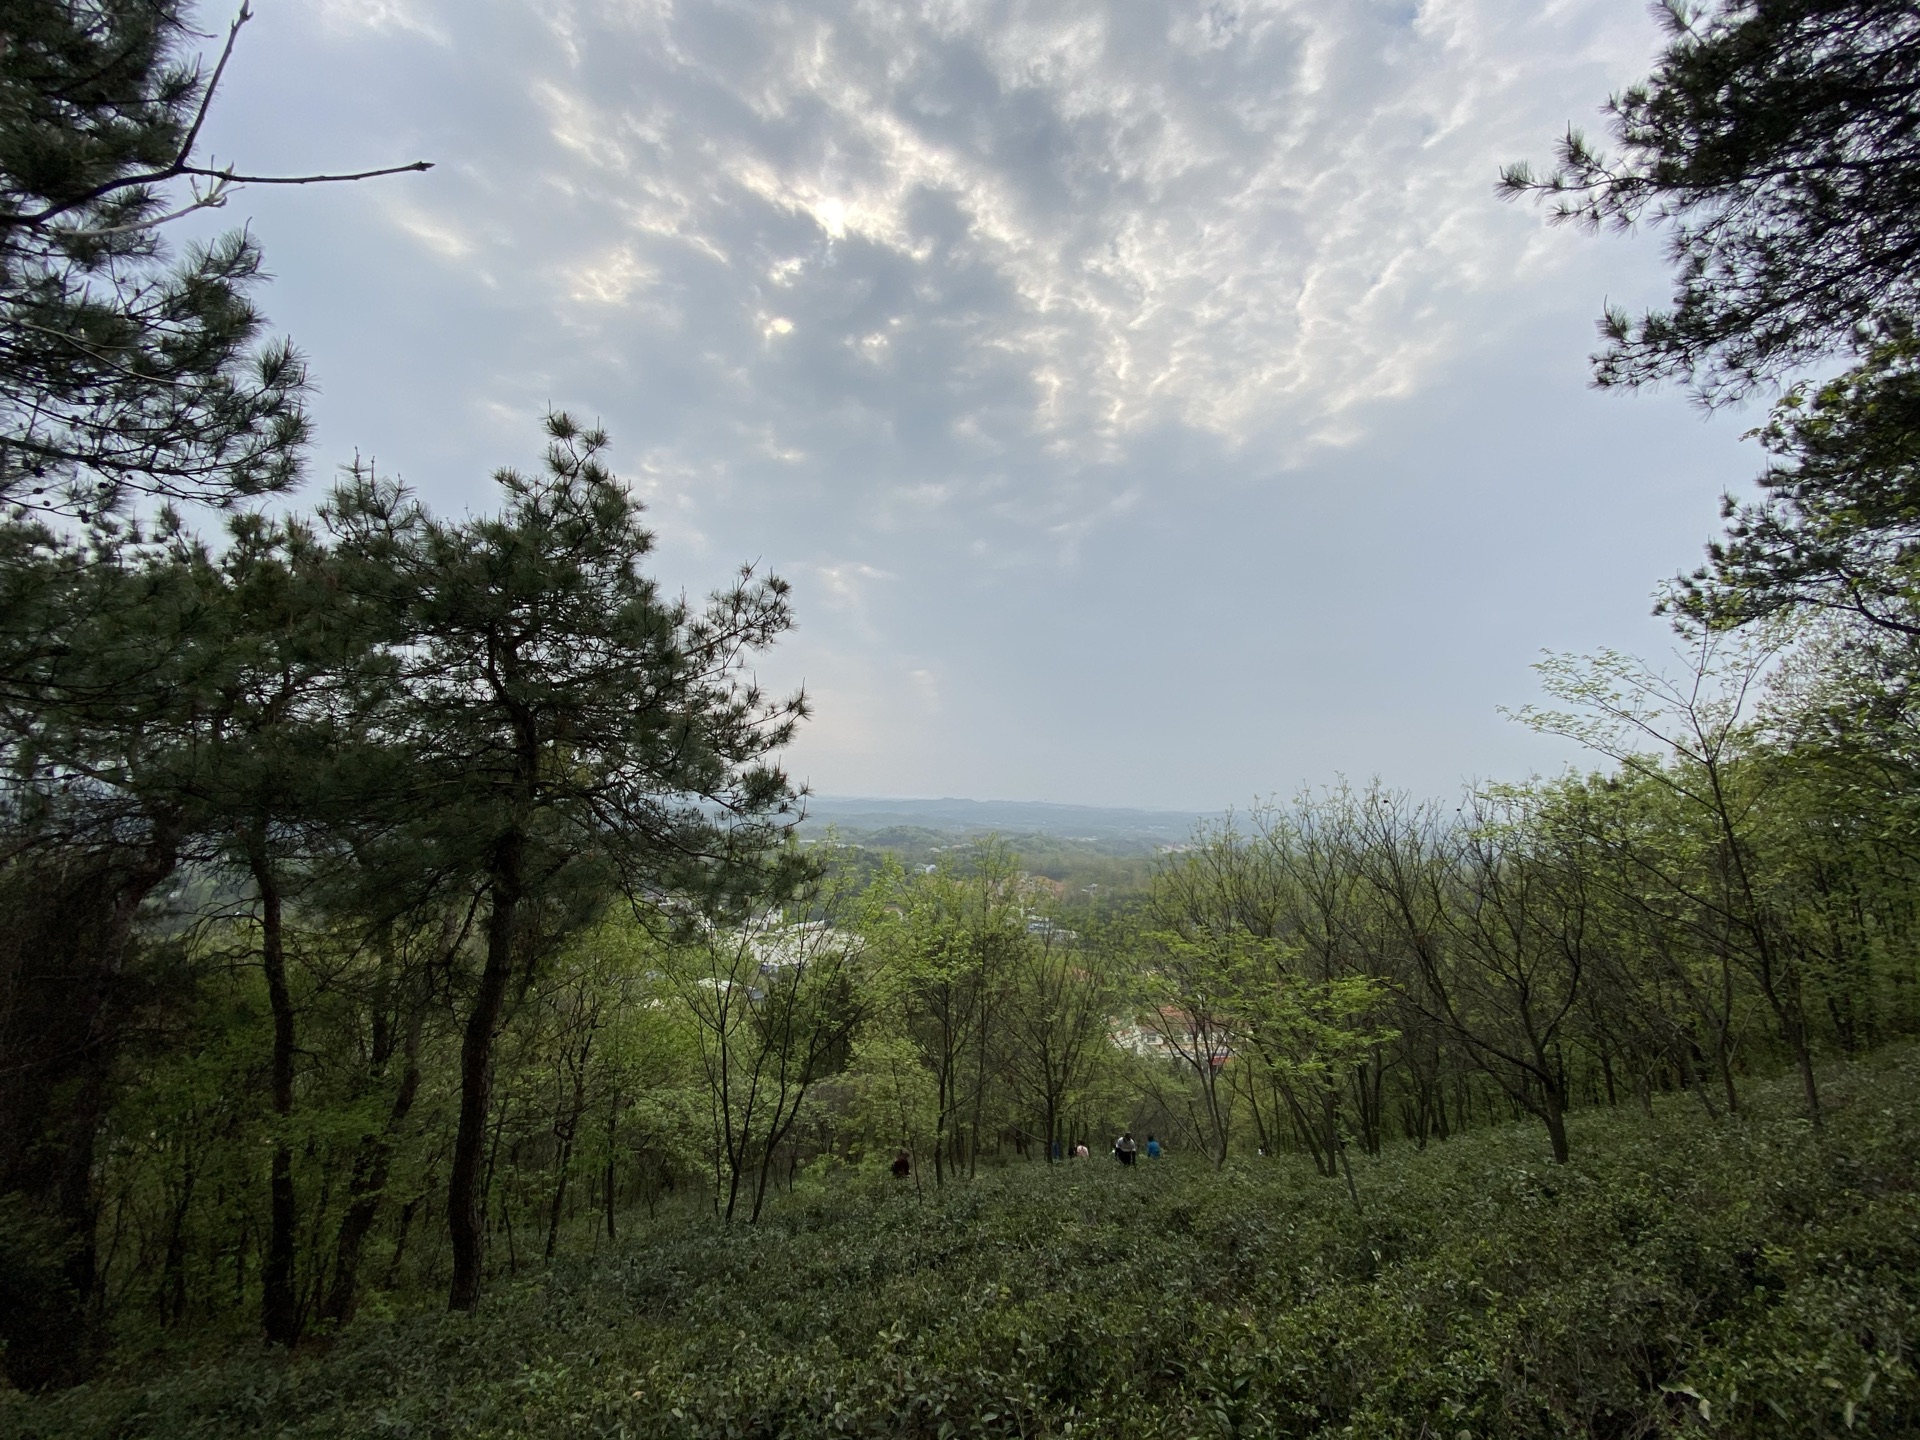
{"x":1151,"y":404}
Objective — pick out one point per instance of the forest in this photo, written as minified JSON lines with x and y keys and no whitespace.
{"x":423,"y":1010}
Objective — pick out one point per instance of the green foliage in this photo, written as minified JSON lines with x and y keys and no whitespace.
{"x":1838,"y":528}
{"x":124,"y":372}
{"x":1743,"y":1279}
{"x":1774,"y":142}
{"x":774,"y":1005}
{"x":404,"y":900}
{"x":891,"y":1102}
{"x":1109,"y":871}
{"x":1317,"y":980}
{"x":553,"y":703}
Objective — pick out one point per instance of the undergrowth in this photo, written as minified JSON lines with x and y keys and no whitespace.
{"x":1678,"y":1278}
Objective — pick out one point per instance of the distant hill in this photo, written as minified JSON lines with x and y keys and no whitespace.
{"x":1149,"y":829}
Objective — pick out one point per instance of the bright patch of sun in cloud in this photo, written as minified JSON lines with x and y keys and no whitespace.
{"x":1254,"y":220}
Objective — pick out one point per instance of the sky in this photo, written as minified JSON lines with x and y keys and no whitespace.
{"x":1150,"y":404}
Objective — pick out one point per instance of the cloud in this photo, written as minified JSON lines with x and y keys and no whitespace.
{"x":844,"y":586}
{"x":380,"y":16}
{"x":441,"y":236}
{"x":939,"y":308}
{"x":1062,"y":226}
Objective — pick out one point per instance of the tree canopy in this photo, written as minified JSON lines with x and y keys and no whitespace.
{"x":123,"y":370}
{"x":1777,"y":144}
{"x":1838,"y":526}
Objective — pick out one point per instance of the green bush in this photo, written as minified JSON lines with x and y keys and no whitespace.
{"x":1749,"y":1278}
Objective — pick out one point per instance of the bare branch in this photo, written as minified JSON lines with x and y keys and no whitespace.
{"x":206,"y":100}
{"x":228,"y":177}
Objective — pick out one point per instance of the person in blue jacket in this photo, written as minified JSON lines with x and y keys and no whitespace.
{"x":1153,"y":1148}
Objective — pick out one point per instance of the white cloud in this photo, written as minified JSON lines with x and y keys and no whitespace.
{"x":968,"y":315}
{"x":844,"y":585}
{"x":442,"y":236}
{"x":1251,"y":220}
{"x":611,"y":278}
{"x":382,"y":15}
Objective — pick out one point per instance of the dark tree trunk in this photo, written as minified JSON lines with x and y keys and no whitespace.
{"x":365,"y":1190}
{"x":760,"y":1185}
{"x":407,"y":1212}
{"x":1311,"y":1135}
{"x":566,"y":1130}
{"x":558,"y":1207}
{"x":1553,"y":1113}
{"x":611,"y":1176}
{"x":171,"y":1299}
{"x":466,"y":1224}
{"x":1783,"y":995}
{"x":66,"y":927}
{"x":279,"y":1305}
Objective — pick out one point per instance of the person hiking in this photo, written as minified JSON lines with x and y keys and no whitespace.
{"x":1126,"y":1147}
{"x":902,"y":1165}
{"x":1153,"y":1148}
{"x":1080,"y":1151}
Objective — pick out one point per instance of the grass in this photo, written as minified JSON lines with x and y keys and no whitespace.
{"x":1678,"y":1278}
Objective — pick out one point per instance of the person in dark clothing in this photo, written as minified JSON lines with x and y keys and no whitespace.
{"x":1126,"y":1147}
{"x":902,"y":1165}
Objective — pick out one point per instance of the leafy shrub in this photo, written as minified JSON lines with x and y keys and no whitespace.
{"x":1747,"y":1279}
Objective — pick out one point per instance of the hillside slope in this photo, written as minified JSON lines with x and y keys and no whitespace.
{"x":1745,"y":1279}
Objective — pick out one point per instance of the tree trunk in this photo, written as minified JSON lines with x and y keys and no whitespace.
{"x":1553,"y":1113}
{"x":1809,"y":1086}
{"x":466,"y":1225}
{"x":566,"y":1131}
{"x":760,"y":1183}
{"x":979,"y":1100}
{"x":366,"y":1190}
{"x":613,"y":1129}
{"x":279,"y":1305}
{"x":1330,"y":1137}
{"x":559,"y":1196}
{"x":171,"y":1299}
{"x":1784,"y":998}
{"x":66,"y":926}
{"x":407,"y":1212}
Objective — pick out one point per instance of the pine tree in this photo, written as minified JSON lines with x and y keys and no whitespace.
{"x":122,"y":370}
{"x":572,"y":733}
{"x":1838,"y":527}
{"x":115,"y":680}
{"x":1777,"y":143}
{"x":126,"y":375}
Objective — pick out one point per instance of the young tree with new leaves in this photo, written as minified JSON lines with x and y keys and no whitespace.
{"x":947,"y":942}
{"x":776,"y":1003}
{"x":1693,"y":735}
